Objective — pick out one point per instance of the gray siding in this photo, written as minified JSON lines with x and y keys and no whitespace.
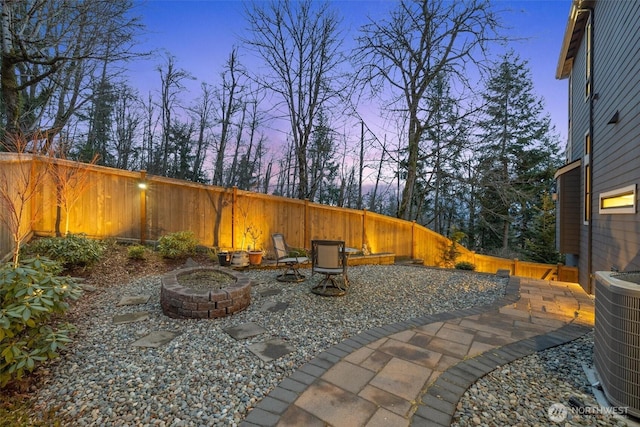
{"x":615,"y":238}
{"x":616,"y":147}
{"x":569,"y":201}
{"x":580,"y":126}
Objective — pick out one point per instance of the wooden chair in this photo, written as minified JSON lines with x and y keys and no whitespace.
{"x":328,"y":257}
{"x":283,"y":256}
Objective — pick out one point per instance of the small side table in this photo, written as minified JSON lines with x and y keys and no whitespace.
{"x":348,"y":252}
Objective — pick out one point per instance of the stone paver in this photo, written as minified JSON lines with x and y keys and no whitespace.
{"x":415,"y":372}
{"x":138,"y":316}
{"x":274,"y":307}
{"x":269,"y":292}
{"x":155,"y":339}
{"x":348,"y":376}
{"x":271,"y":349}
{"x":384,"y":399}
{"x":133,"y":300}
{"x":245,"y":330}
{"x":402,"y":378}
{"x":335,"y":406}
{"x":386,"y":418}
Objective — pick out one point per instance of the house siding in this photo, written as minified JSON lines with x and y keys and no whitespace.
{"x":615,"y":162}
{"x":616,"y":147}
{"x":569,"y":200}
{"x":580,"y":127}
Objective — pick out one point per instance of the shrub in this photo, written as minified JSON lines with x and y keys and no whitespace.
{"x":465,"y":265}
{"x":451,"y":252}
{"x":136,"y":252}
{"x":297,"y":252}
{"x":177,"y":245}
{"x":30,"y":294}
{"x":73,"y":250}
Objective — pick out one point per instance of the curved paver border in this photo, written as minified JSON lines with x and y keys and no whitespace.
{"x":439,"y":400}
{"x":439,"y":403}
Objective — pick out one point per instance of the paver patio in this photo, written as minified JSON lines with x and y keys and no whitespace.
{"x":415,"y":372}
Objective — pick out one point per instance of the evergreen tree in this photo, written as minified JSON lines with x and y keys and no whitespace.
{"x":516,"y":155}
{"x":127,"y":120}
{"x":180,"y":159}
{"x":440,"y":158}
{"x":100,"y":119}
{"x":323,"y":169}
{"x":540,"y":244}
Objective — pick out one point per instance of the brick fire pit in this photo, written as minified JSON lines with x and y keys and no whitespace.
{"x":183,"y":302}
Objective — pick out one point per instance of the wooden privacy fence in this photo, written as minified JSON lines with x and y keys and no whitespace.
{"x":137,"y":206}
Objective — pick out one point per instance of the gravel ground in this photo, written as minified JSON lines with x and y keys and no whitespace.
{"x":203,"y":377}
{"x":521,"y":393}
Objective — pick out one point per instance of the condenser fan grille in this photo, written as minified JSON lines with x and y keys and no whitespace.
{"x":617,"y":338}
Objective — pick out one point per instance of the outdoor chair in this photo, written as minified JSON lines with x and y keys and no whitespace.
{"x":328,"y":257}
{"x":283,"y":256}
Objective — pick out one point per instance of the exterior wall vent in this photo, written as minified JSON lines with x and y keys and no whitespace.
{"x":617,"y":337}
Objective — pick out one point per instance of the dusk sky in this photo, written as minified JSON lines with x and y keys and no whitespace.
{"x":201,"y":33}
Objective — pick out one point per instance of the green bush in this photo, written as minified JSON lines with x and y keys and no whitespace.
{"x":451,"y":252}
{"x":297,"y":252}
{"x":30,"y":294}
{"x":73,"y":250}
{"x":465,"y":265}
{"x":136,"y":252}
{"x":177,"y":245}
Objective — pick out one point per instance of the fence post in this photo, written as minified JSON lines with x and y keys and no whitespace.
{"x":413,"y":240}
{"x":364,"y":230}
{"x":515,"y":266}
{"x":32,"y":202}
{"x":142,"y":185}
{"x":306,"y":234}
{"x":234,"y":205}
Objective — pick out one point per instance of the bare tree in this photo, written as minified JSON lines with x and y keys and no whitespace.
{"x":228,"y":102}
{"x":19,"y":186}
{"x":171,"y":79}
{"x":202,"y":116}
{"x":232,"y":169}
{"x":374,"y":193}
{"x":248,"y":174}
{"x":126,"y":122}
{"x":150,"y":158}
{"x":286,"y":172}
{"x":404,"y":54}
{"x":299,"y":41}
{"x":267,"y":177}
{"x":50,"y":50}
{"x":71,"y":182}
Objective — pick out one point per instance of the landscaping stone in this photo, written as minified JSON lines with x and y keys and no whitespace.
{"x":130,"y":317}
{"x":155,"y":339}
{"x":274,"y":307}
{"x":133,"y":300}
{"x":88,"y":288}
{"x":245,"y":330}
{"x":269,"y":292}
{"x":272,"y":349}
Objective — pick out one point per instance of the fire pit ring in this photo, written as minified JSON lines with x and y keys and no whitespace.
{"x":183,"y":302}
